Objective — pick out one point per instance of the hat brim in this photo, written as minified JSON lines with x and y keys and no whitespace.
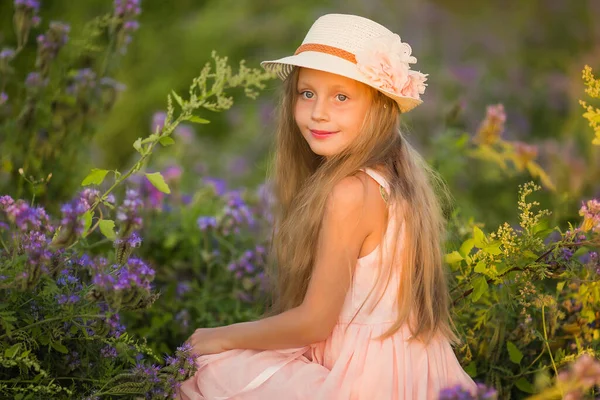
{"x":335,"y":65}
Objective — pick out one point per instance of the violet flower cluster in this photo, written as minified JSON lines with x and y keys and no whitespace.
{"x":26,"y":16}
{"x":34,"y":81}
{"x":236,"y":213}
{"x":136,"y":273}
{"x":126,"y":13}
{"x":459,"y":393}
{"x":82,"y":82}
{"x":50,"y":43}
{"x":128,"y":214}
{"x":249,"y":270}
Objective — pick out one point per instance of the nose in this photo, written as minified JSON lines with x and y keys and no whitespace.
{"x":319,"y":110}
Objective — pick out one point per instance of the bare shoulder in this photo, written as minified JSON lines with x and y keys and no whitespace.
{"x":356,"y":196}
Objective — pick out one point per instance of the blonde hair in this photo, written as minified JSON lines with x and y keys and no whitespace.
{"x":302,"y":181}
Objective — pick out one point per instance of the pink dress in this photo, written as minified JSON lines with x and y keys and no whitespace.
{"x":349,"y":365}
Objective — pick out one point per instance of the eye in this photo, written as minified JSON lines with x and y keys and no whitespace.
{"x":307,"y":94}
{"x":342,"y":97}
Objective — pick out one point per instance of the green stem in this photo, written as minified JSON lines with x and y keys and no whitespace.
{"x":548,"y":344}
{"x":54,"y":319}
{"x":4,"y":245}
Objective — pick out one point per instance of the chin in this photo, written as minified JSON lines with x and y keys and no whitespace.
{"x":324,"y":152}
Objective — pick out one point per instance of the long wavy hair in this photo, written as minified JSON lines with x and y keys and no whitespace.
{"x":301,"y":183}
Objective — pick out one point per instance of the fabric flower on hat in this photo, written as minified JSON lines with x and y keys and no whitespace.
{"x":385,"y":62}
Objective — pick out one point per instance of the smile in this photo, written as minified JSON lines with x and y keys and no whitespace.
{"x":322,"y":134}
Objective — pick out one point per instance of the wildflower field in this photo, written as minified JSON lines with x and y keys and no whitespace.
{"x":134,"y":144}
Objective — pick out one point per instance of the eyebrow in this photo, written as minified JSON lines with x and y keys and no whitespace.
{"x":335,"y":87}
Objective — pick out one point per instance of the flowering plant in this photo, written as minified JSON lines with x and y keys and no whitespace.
{"x":385,"y":62}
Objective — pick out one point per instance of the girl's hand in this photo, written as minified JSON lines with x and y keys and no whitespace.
{"x":207,"y":341}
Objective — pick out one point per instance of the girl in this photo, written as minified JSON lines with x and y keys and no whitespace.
{"x":361,"y":305}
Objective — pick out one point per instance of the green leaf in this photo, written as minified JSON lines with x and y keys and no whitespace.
{"x":87,"y":222}
{"x":481,"y":267}
{"x":177,"y":98}
{"x":138,"y":145}
{"x":471,"y":369}
{"x":59,"y":347}
{"x":514,"y":353}
{"x":198,"y":120}
{"x":480,"y":286}
{"x":107,"y":227}
{"x":580,"y":251}
{"x":493,"y":248}
{"x":466,"y":247}
{"x":544,"y":233}
{"x":453,"y":257}
{"x":12,"y":351}
{"x":530,"y":254}
{"x":560,"y":286}
{"x":157,"y":180}
{"x":96,"y":177}
{"x":478,"y":237}
{"x":525,"y":386}
{"x":166,"y":141}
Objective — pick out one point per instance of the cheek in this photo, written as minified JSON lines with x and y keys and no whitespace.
{"x":300,"y":112}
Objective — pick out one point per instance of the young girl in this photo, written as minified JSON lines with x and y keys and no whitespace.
{"x":361,"y":304}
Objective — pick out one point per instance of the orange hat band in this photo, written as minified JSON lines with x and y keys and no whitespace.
{"x":322,"y":48}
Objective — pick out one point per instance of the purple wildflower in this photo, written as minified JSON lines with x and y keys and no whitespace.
{"x":33,"y":5}
{"x":182,"y":288}
{"x":50,"y":43}
{"x":25,"y":217}
{"x":82,"y":82}
{"x":204,"y":223}
{"x":108,"y":352}
{"x":72,"y":359}
{"x":185,"y":132}
{"x":3,"y":98}
{"x":65,"y":278}
{"x":6,"y":55}
{"x":567,"y":253}
{"x":158,"y":121}
{"x":148,"y":373}
{"x":35,"y":81}
{"x":71,"y":215}
{"x":90,"y":196}
{"x":67,"y":299}
{"x":134,"y":240}
{"x":236,"y":214}
{"x":128,"y":213}
{"x":172,"y":173}
{"x":110,"y":82}
{"x":219,"y":185}
{"x":183,"y":317}
{"x":135,"y":273}
{"x":25,"y":17}
{"x":113,"y":320}
{"x":455,"y":393}
{"x":35,"y":246}
{"x":126,"y":11}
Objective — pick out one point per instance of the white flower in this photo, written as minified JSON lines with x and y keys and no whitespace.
{"x":385,"y":62}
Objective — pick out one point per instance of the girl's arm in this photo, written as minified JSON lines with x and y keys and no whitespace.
{"x":344,"y":229}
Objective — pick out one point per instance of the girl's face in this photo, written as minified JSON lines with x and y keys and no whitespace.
{"x":330,"y":110}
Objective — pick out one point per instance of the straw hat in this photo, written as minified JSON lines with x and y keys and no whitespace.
{"x":360,"y":49}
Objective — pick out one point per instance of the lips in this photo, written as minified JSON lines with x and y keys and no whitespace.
{"x":322,"y":134}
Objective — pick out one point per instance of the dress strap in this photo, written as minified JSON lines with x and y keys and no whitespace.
{"x":384,"y":187}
